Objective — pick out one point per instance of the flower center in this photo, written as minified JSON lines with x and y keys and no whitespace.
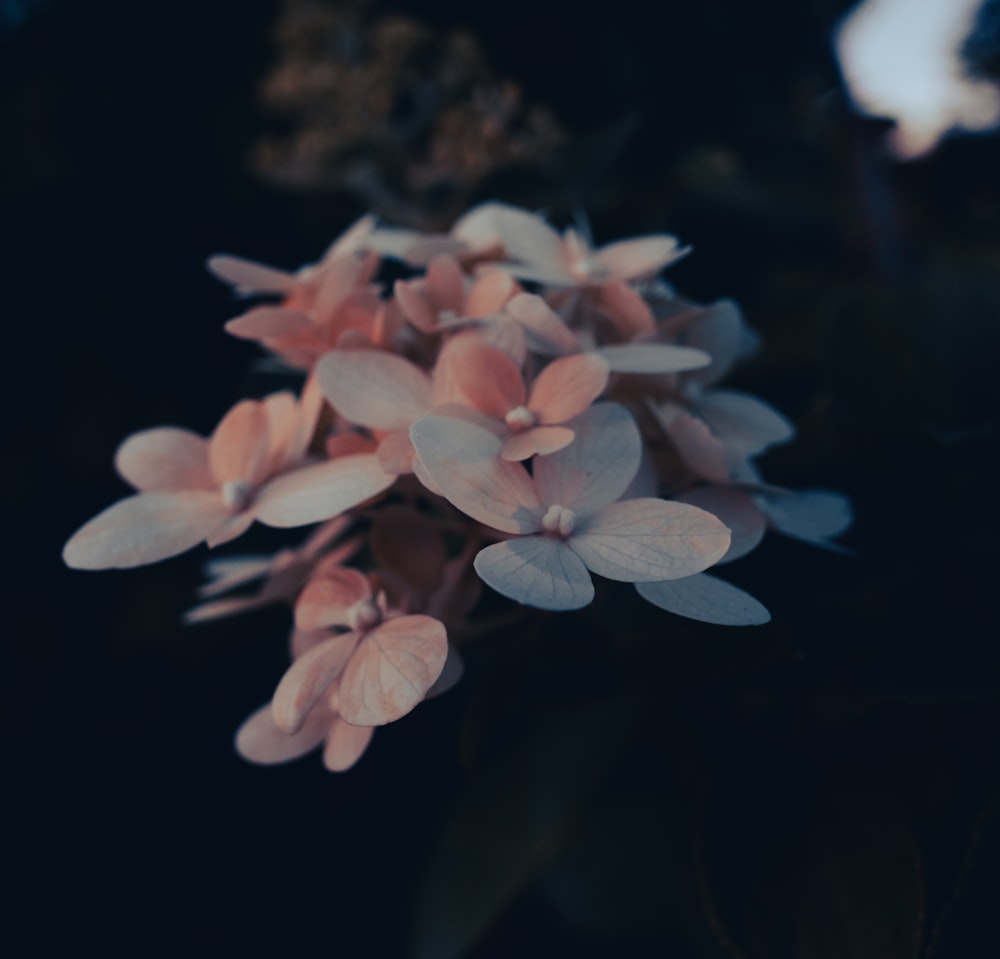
{"x":559,"y":519}
{"x":520,"y":418}
{"x":236,"y":494}
{"x":364,"y":614}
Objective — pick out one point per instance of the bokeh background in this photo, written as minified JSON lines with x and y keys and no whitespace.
{"x":823,"y":786}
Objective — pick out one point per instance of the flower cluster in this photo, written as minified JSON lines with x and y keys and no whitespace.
{"x":526,"y":411}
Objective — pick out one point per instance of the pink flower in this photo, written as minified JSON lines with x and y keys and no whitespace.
{"x":443,"y":298}
{"x":330,"y":304}
{"x":375,"y":672}
{"x":565,"y":515}
{"x":193,"y":489}
{"x":528,"y":421}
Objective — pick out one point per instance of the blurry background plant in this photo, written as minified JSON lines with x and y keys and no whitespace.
{"x":824,"y":786}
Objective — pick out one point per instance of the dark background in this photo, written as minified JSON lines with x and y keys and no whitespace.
{"x":606,"y":783}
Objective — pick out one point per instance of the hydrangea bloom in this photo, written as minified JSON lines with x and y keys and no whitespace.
{"x":524,"y":413}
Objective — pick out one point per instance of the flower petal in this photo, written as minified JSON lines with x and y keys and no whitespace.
{"x":744,"y":424}
{"x":567,"y":386}
{"x":640,"y":257}
{"x":259,"y":739}
{"x":461,"y":459}
{"x":240,"y":447}
{"x":653,"y":358}
{"x":392,"y":670}
{"x":345,"y":744}
{"x":814,"y":516}
{"x":489,"y":292}
{"x":536,"y":571}
{"x":327,"y":598}
{"x":379,"y":390}
{"x":145,"y":528}
{"x":597,"y":467}
{"x":481,"y":376}
{"x":539,"y":440}
{"x":308,"y":678}
{"x":707,"y":599}
{"x":697,"y":445}
{"x":269,"y":323}
{"x":545,"y":329}
{"x":320,"y":492}
{"x":646,"y":540}
{"x":249,"y":276}
{"x":165,"y":458}
{"x":445,"y":284}
{"x":524,"y":236}
{"x":628,"y":309}
{"x":737,"y":510}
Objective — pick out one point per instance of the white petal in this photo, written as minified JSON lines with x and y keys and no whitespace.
{"x":646,"y":540}
{"x":707,"y":599}
{"x":462,"y":460}
{"x":536,"y":571}
{"x":815,"y":516}
{"x":653,"y":358}
{"x":598,"y":466}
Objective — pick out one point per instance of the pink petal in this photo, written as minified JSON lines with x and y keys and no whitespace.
{"x":379,"y":390}
{"x":308,"y":679}
{"x":646,"y":540}
{"x":697,"y":445}
{"x":282,"y":412}
{"x":505,"y":335}
{"x":349,"y":443}
{"x":446,"y":284}
{"x":320,"y":492}
{"x":737,"y":510}
{"x":628,"y":308}
{"x":145,"y":528}
{"x":537,"y":571}
{"x":239,"y":450}
{"x":539,"y":440}
{"x":248,"y":276}
{"x":462,"y":461}
{"x":567,"y":386}
{"x":547,"y":333}
{"x":221,"y":608}
{"x":308,"y":410}
{"x":392,"y":670}
{"x":597,"y":467}
{"x":745,"y":424}
{"x":340,"y":278}
{"x":269,"y":323}
{"x":641,"y":257}
{"x":259,"y":740}
{"x":327,"y":598}
{"x":230,"y":572}
{"x":345,"y":744}
{"x":488,"y":294}
{"x":395,"y":452}
{"x":652,"y":358}
{"x":165,"y":458}
{"x":484,"y":377}
{"x":411,"y":295}
{"x":707,"y":599}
